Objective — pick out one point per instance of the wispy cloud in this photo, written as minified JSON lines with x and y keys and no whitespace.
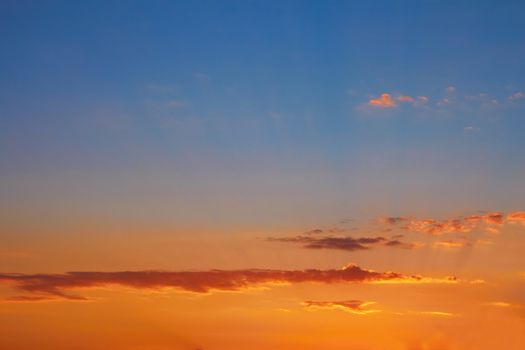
{"x":343,"y":243}
{"x":448,"y":100}
{"x":489,"y":221}
{"x":498,"y":304}
{"x":357,"y":307}
{"x":58,"y":286}
{"x":471,"y":129}
{"x":436,"y":313}
{"x":516,"y":96}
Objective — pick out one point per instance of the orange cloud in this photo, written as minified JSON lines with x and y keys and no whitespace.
{"x":495,"y":218}
{"x":456,"y":225}
{"x":436,"y":227}
{"x":516,"y":217}
{"x":449,"y":244}
{"x":436,"y":313}
{"x":57,"y":286}
{"x":353,"y":306}
{"x":405,"y":99}
{"x":385,"y":100}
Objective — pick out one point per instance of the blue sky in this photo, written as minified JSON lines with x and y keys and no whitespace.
{"x":211,"y":99}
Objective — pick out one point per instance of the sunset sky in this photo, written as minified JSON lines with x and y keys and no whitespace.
{"x":263,"y":175}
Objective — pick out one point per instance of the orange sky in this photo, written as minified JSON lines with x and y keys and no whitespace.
{"x":262,"y":175}
{"x":427,"y":295}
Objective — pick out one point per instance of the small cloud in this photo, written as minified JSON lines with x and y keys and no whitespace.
{"x":450,"y":90}
{"x":357,"y":307}
{"x":478,"y":281}
{"x":450,"y":96}
{"x":385,"y":101}
{"x":392,"y":220}
{"x":422,"y":100}
{"x":316,"y":231}
{"x":517,"y":217}
{"x":471,"y":129}
{"x":436,"y":313}
{"x":449,"y":244}
{"x":498,"y":304}
{"x":405,"y":99}
{"x":516,"y":96}
{"x":443,"y":102}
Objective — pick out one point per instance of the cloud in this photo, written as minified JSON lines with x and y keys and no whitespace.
{"x":357,"y":307}
{"x":449,"y":244}
{"x":449,"y":100}
{"x":421,"y":100}
{"x":343,"y":243}
{"x":460,"y":243}
{"x":436,"y":313}
{"x":57,"y":286}
{"x":385,"y":100}
{"x":392,"y":220}
{"x":516,"y":217}
{"x":405,"y":99}
{"x":488,"y":221}
{"x":498,"y":304}
{"x":450,"y":90}
{"x":516,"y":96}
{"x":471,"y":128}
{"x":43,"y":298}
{"x":316,"y":231}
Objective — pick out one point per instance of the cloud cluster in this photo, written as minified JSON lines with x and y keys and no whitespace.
{"x":449,"y":98}
{"x":343,"y":243}
{"x":38,"y":287}
{"x":488,"y":221}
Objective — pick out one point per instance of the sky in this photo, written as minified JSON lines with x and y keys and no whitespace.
{"x":212,"y":175}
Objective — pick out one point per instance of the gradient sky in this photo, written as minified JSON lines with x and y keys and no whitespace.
{"x":292,"y":174}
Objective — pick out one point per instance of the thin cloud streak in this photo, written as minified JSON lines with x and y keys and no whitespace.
{"x":357,"y":307}
{"x":343,"y":243}
{"x":386,"y":100}
{"x":57,"y":286}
